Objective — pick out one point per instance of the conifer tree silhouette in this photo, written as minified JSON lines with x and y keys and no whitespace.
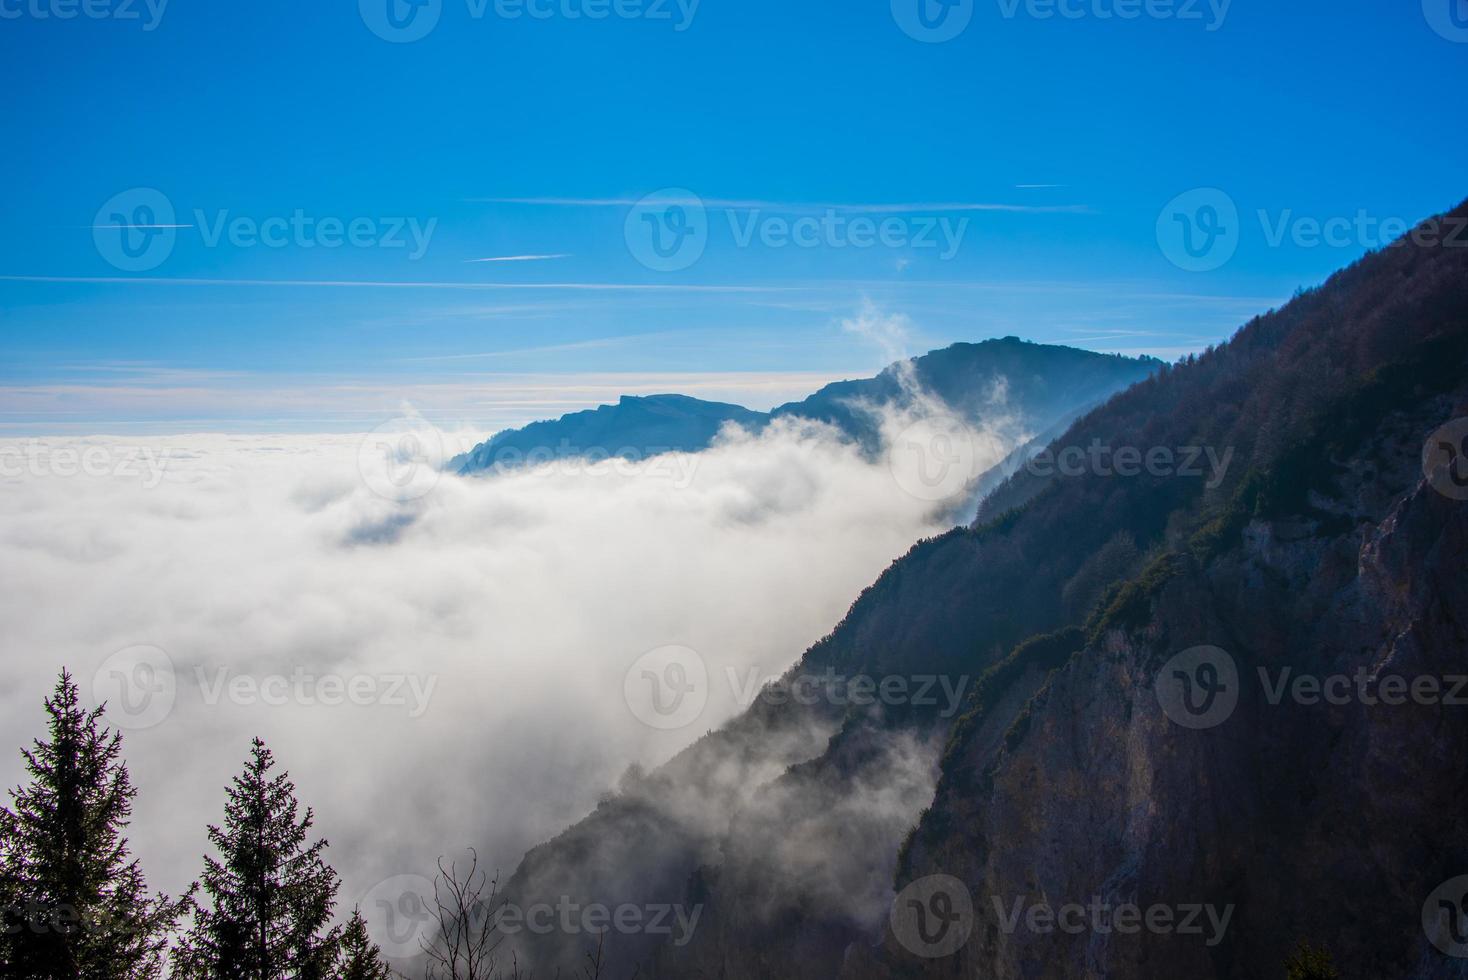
{"x":360,"y":957}
{"x":270,"y":895}
{"x":75,"y":906}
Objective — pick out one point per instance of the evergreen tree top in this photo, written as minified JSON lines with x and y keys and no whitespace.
{"x":75,"y":905}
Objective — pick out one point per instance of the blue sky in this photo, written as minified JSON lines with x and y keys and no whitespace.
{"x":1022,"y":176}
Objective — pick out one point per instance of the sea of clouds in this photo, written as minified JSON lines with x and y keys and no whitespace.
{"x":436,"y":670}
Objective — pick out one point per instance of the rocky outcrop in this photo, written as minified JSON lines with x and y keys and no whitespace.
{"x":1293,"y":818}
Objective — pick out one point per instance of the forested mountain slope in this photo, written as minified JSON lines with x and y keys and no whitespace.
{"x":1308,"y":539}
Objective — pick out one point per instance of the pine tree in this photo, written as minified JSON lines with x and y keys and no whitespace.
{"x":75,"y":906}
{"x":360,"y":957}
{"x":270,"y":894}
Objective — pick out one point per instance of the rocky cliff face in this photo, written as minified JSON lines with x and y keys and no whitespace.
{"x":1149,"y":717}
{"x":1309,"y":820}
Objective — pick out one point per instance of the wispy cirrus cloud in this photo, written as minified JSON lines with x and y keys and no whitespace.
{"x":599,"y":343}
{"x":452,"y":391}
{"x":522,"y":258}
{"x":754,"y":204}
{"x":388,"y":284}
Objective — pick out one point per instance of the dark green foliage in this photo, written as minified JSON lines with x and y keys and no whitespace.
{"x":1000,"y":524}
{"x":75,"y":906}
{"x":360,"y":957}
{"x":1310,"y":963}
{"x":1306,"y":464}
{"x":270,"y":892}
{"x":1221,"y":530}
{"x":1044,"y":652}
{"x":1114,"y":562}
{"x":1131,"y":605}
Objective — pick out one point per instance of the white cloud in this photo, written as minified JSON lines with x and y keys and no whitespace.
{"x":523,"y":598}
{"x":891,"y":333}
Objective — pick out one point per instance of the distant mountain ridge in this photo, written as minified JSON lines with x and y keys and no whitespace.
{"x":635,"y":427}
{"x":1039,"y":383}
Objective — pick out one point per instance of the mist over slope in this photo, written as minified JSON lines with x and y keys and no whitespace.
{"x":493,"y":635}
{"x":1276,"y":509}
{"x":241,"y":580}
